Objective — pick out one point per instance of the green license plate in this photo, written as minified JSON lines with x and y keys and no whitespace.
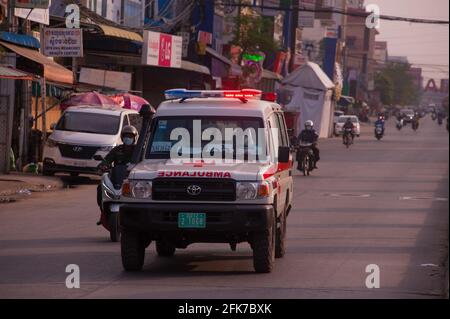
{"x":191,"y":220}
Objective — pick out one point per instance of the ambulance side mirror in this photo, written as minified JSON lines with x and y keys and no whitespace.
{"x":283,"y":154}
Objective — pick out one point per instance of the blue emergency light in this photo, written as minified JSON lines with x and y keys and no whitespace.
{"x":184,"y":94}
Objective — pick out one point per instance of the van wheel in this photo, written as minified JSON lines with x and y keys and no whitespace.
{"x":280,"y":240}
{"x":132,"y":251}
{"x":164,"y":249}
{"x":264,"y":249}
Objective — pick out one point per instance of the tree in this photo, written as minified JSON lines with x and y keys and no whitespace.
{"x":253,"y":33}
{"x":385,"y":86}
{"x":402,"y":91}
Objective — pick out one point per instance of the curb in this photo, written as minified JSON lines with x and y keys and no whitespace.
{"x":23,"y":185}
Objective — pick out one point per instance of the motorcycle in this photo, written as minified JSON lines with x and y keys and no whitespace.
{"x":306,"y":159}
{"x":415,"y":125}
{"x":399,"y":124}
{"x":379,"y":132}
{"x":109,"y":203}
{"x":440,"y":120}
{"x":348,"y":140}
{"x":433,"y":116}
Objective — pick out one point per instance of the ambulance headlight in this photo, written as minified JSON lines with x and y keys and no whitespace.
{"x":252,"y":190}
{"x":141,"y":189}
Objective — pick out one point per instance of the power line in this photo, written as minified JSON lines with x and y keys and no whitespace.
{"x":337,"y":11}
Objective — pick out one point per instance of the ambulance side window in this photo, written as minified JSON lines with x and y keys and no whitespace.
{"x":276,"y":125}
{"x":270,"y":141}
{"x":282,"y":130}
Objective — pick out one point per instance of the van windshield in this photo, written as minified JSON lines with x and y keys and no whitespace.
{"x":344,"y":119}
{"x":207,"y":137}
{"x":86,"y":122}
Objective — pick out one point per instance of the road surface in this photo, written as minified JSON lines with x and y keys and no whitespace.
{"x":380,"y":202}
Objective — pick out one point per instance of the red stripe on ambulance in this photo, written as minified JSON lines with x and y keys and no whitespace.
{"x":207,"y":174}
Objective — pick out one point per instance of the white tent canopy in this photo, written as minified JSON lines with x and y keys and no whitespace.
{"x":309,"y":76}
{"x":308,"y":90}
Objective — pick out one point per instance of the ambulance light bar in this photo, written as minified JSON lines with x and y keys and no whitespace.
{"x":184,"y":94}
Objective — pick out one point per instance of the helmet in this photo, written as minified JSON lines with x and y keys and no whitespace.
{"x":309,"y":124}
{"x":129,"y":131}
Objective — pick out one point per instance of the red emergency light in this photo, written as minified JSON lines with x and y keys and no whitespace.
{"x":184,"y":94}
{"x":242,"y":94}
{"x":269,"y":96}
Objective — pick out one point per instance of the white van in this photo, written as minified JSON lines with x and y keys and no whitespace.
{"x":81,"y":133}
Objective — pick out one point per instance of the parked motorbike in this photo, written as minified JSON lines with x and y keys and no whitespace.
{"x":306,"y":159}
{"x":348,"y":140}
{"x":379,"y":132}
{"x":109,"y":203}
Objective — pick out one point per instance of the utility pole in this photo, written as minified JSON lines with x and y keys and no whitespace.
{"x":294,"y":26}
{"x":10,"y":16}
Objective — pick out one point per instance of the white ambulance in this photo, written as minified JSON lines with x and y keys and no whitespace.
{"x":215,"y":167}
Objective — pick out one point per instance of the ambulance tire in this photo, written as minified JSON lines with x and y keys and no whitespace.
{"x":132,"y":250}
{"x":280,"y":243}
{"x":264,"y":249}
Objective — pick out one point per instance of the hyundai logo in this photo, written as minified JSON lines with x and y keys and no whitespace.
{"x":77,"y":148}
{"x":193,"y":190}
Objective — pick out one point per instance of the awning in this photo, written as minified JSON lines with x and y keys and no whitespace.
{"x":218,"y":56}
{"x":8,"y":72}
{"x":136,"y":61}
{"x":189,"y":66}
{"x":20,"y":39}
{"x":120,"y":33}
{"x":52,"y":71}
{"x":266,"y":74}
{"x":346,"y":100}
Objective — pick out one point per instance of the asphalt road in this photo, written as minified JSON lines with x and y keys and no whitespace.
{"x":380,"y":202}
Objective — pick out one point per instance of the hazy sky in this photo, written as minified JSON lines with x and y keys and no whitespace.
{"x":424,"y":44}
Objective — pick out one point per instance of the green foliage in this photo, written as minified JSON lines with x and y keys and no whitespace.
{"x":385,"y":86}
{"x":254,"y":33}
{"x":396,"y":85}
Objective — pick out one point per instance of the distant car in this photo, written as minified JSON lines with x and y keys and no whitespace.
{"x":81,"y":133}
{"x":341,"y":121}
{"x":408,"y":115}
{"x":337,"y":114}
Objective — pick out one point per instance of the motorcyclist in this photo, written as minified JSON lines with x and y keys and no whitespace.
{"x":309,"y":136}
{"x":121,"y":154}
{"x":348,"y":126}
{"x":440,"y":116}
{"x":380,"y":122}
{"x":416,"y":119}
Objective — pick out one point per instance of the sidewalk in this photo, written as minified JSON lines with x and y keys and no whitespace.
{"x":20,"y":185}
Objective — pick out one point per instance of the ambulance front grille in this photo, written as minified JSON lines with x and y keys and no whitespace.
{"x":176,"y":189}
